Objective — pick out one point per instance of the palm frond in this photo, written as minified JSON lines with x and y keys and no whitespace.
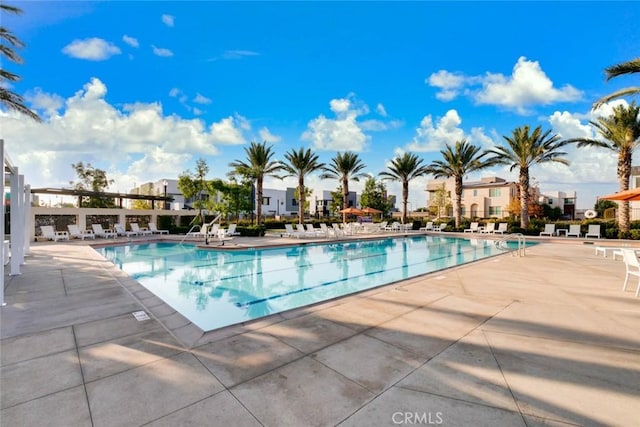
{"x":629,"y":67}
{"x":615,"y":95}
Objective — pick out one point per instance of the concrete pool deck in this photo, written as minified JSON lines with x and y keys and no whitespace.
{"x":545,"y":339}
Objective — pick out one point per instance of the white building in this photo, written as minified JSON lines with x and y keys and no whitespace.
{"x":566,"y":201}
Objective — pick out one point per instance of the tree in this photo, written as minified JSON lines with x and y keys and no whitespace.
{"x":344,"y":167}
{"x":602,"y":205}
{"x":235,"y":198}
{"x":95,"y":180}
{"x":440,"y":202}
{"x":374,"y":196}
{"x":629,"y":67}
{"x":457,"y":161}
{"x":621,"y":134}
{"x":192,"y":185}
{"x":404,"y":168}
{"x":524,"y":149}
{"x":259,"y":164}
{"x":8,"y":45}
{"x":300,"y":164}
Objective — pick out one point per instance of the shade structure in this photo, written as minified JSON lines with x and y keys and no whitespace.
{"x":352,"y":211}
{"x":627,"y":195}
{"x":368,"y":210}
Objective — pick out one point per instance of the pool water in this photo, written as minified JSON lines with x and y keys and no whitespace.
{"x":216,"y":288}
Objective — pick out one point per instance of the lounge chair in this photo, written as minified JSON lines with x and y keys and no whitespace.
{"x":427,"y":227}
{"x":290,"y":232}
{"x":315,"y":231}
{"x":141,"y":231}
{"x":593,"y":231}
{"x":49,"y":233}
{"x":303,"y":231}
{"x":632,"y":266}
{"x":489,"y":228}
{"x":574,"y":230}
{"x":76,"y":233}
{"x":121,"y":231}
{"x":154,"y":229}
{"x":339,"y":232}
{"x":100,"y":232}
{"x":325,"y":229}
{"x":502,"y":228}
{"x":549,"y":230}
{"x":473,"y":228}
{"x":231,"y":231}
{"x":205,"y":231}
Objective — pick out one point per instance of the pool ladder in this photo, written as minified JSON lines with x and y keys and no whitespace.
{"x":522,"y":244}
{"x":198,"y":225}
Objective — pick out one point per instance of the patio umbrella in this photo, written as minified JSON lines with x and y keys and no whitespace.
{"x":625,"y":196}
{"x":368,"y":210}
{"x":350,"y":211}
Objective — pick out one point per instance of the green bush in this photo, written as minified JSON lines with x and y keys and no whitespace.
{"x":252,"y":231}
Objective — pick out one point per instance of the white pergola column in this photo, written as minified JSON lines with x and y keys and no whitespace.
{"x":17,"y":215}
{"x":26,"y":222}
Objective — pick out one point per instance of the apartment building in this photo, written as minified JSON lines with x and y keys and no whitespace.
{"x":566,"y":201}
{"x":488,"y":198}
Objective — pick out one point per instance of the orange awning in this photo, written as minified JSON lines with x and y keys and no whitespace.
{"x":628,"y":195}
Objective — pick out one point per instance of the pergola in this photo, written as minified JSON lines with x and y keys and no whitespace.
{"x":87,"y":193}
{"x":20,"y":203}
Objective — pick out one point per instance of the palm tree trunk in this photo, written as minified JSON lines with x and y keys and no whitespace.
{"x":301,"y":200}
{"x":259,"y":200}
{"x":524,"y":197}
{"x":624,"y":173}
{"x":405,"y":196}
{"x":345,"y":197}
{"x":458,"y":190}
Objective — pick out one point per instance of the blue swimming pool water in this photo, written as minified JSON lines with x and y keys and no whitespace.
{"x":214,"y":288}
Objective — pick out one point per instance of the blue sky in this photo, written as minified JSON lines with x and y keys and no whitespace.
{"x":144,"y":89}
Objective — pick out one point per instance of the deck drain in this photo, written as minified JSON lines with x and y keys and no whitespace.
{"x":140,"y":316}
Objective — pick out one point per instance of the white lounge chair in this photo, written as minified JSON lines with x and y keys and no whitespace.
{"x":427,"y":227}
{"x":339,"y":232}
{"x":141,"y":231}
{"x":549,"y":230}
{"x":315,"y":231}
{"x":593,"y":231}
{"x":473,"y":228}
{"x":325,"y":230}
{"x":100,"y":232}
{"x":76,"y":233}
{"x":154,"y":229}
{"x":489,"y":228}
{"x":205,"y":231}
{"x":574,"y":230}
{"x":502,"y":228}
{"x":49,"y":233}
{"x":632,"y":266}
{"x":121,"y":231}
{"x":231,"y":231}
{"x":290,"y":232}
{"x":303,"y":231}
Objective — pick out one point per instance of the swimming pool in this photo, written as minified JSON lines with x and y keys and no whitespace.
{"x":216,"y":288}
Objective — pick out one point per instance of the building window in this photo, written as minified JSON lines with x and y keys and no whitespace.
{"x":266,"y":200}
{"x":495,"y":192}
{"x":294,"y":202}
{"x":495,"y":210}
{"x":475,"y":193}
{"x":550,"y":202}
{"x":570,"y":201}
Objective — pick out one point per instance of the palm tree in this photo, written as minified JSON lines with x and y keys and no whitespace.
{"x":403,"y":169}
{"x":8,"y":46}
{"x":300,"y":164}
{"x":629,"y":67}
{"x":523,"y":150}
{"x":457,"y":161}
{"x":345,"y":166}
{"x":621,"y":133}
{"x":258,"y":165}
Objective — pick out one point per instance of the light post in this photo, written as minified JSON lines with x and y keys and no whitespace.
{"x":165,"y":183}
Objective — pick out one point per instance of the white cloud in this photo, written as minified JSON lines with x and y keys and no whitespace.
{"x":131,"y":138}
{"x":41,"y":101}
{"x":168,"y":20}
{"x":341,"y":133}
{"x":449,"y":83}
{"x":430,"y":137}
{"x":381,"y":110}
{"x":131,"y":41}
{"x":159,"y":51}
{"x":92,"y":49}
{"x":526,"y":87}
{"x":201,"y":99}
{"x":238,"y":54}
{"x":266,"y":135}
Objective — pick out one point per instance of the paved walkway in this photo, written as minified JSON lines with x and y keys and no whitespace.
{"x":545,"y":339}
